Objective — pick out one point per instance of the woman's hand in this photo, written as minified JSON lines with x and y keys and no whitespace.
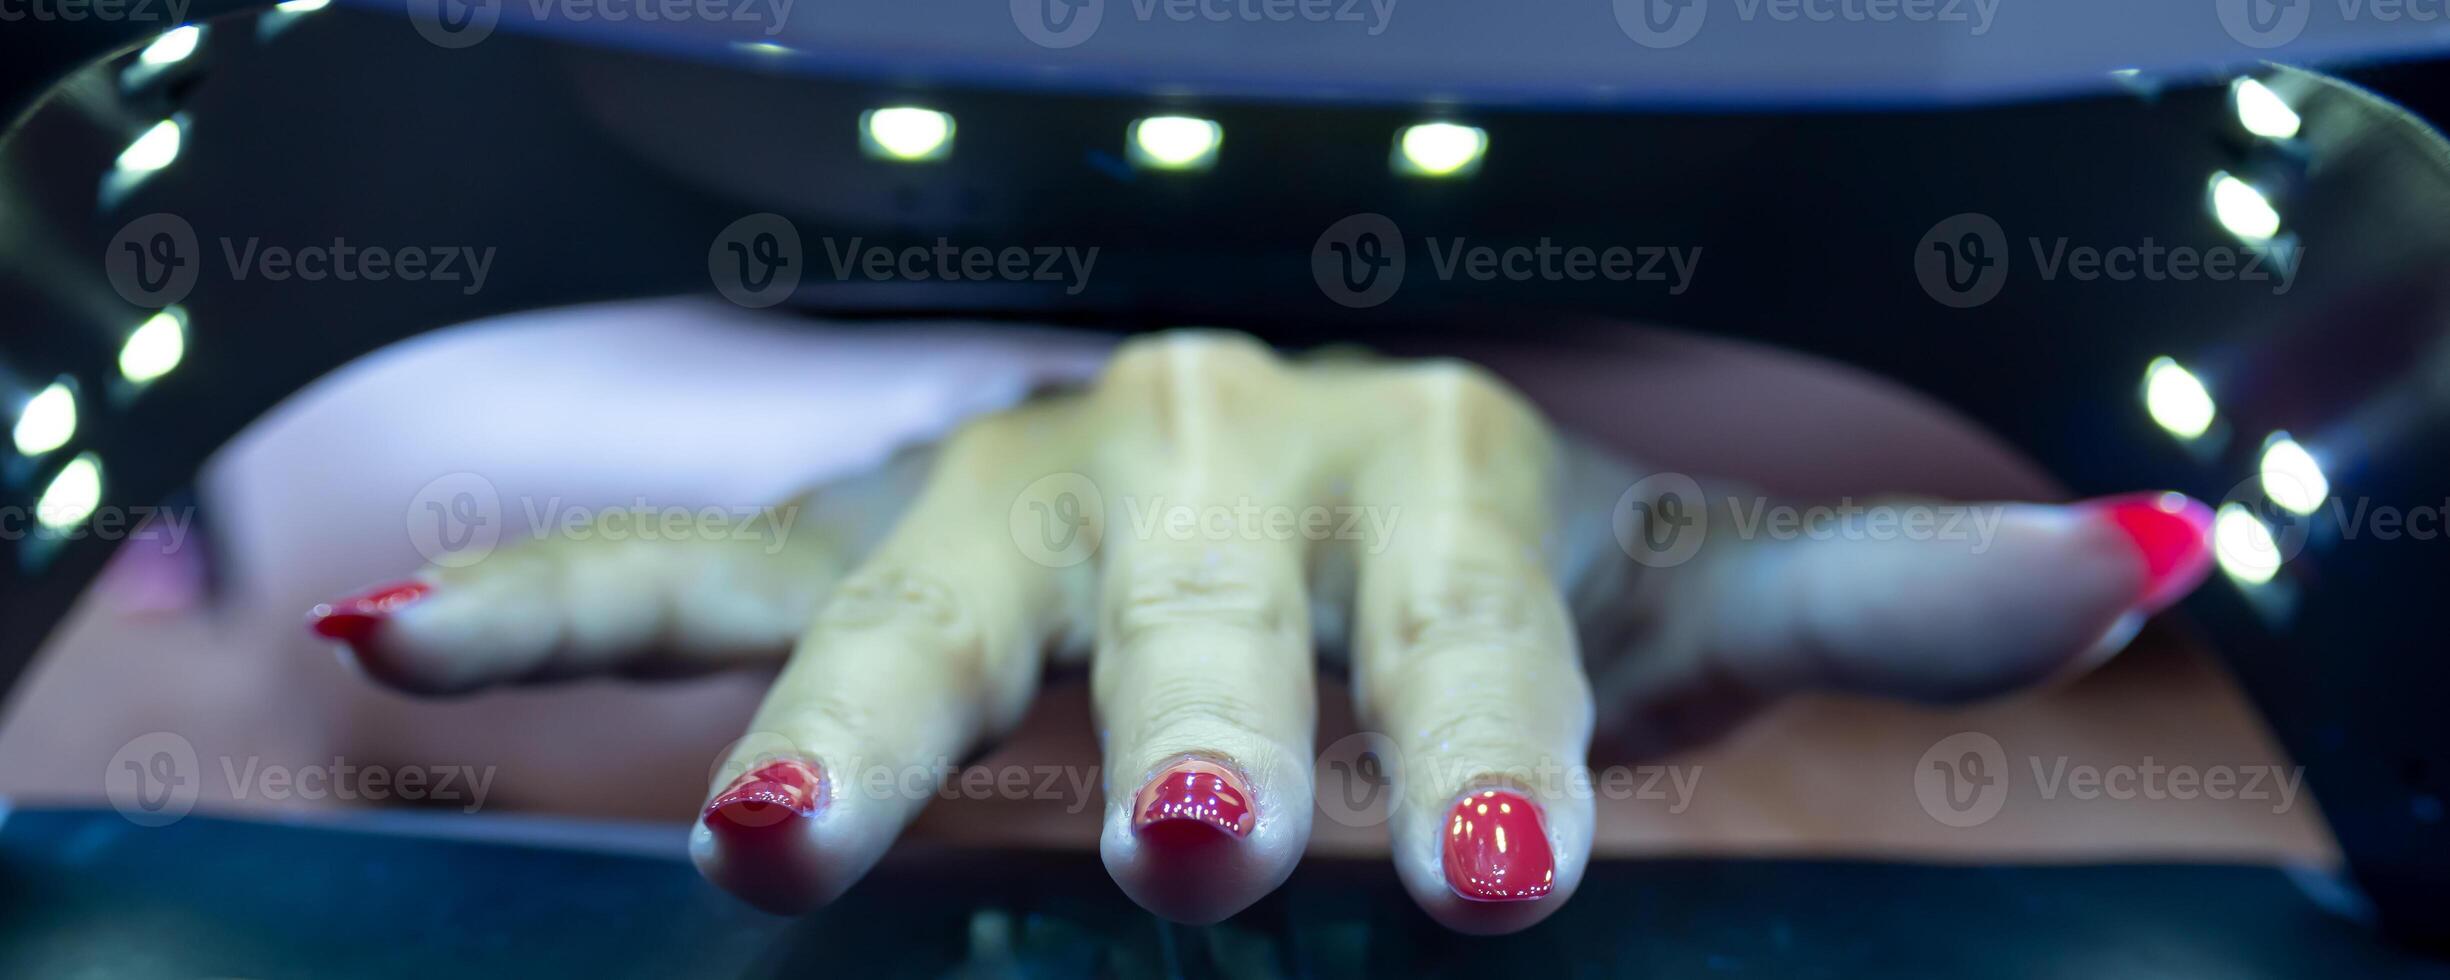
{"x":1192,"y":525}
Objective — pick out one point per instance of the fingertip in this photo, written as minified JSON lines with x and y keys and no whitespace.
{"x":2170,"y":534}
{"x":355,"y":619}
{"x":1451,"y":863}
{"x":757,"y":838}
{"x":1191,"y":845}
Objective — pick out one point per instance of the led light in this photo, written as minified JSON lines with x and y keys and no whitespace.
{"x":768,"y":48}
{"x":154,"y":150}
{"x":2262,"y":111}
{"x":2243,"y":545}
{"x":301,"y":6}
{"x":72,"y":495}
{"x":173,"y":46}
{"x":2177,"y":399}
{"x":155,"y":347}
{"x":906,"y":134}
{"x":2242,"y":209}
{"x":48,"y":421}
{"x":1440,"y":150}
{"x":1175,"y":142}
{"x":2291,"y":477}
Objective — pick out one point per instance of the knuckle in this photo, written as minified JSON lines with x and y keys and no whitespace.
{"x":832,"y":720}
{"x":1187,"y":713}
{"x":1153,"y":374}
{"x":1202,"y":596}
{"x":908,"y":600}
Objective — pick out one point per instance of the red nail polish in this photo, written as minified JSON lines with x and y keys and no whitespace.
{"x":1191,"y":795}
{"x":2173,"y":533}
{"x":1496,"y":850}
{"x":778,"y":795}
{"x":353,"y":619}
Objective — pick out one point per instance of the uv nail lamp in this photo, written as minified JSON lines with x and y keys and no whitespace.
{"x":1877,"y":185}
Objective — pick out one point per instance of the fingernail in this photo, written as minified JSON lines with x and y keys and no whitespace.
{"x":1496,"y":850}
{"x":1194,"y":796}
{"x":353,"y":619}
{"x":777,"y":795}
{"x":2173,"y":534}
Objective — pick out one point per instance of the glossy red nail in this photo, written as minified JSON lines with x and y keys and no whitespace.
{"x":1496,"y":849}
{"x":2173,"y":534}
{"x":353,"y":619}
{"x":777,"y":795}
{"x":1193,"y":795}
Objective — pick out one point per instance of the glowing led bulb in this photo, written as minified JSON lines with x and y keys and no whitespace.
{"x":173,"y":46}
{"x":155,"y":347}
{"x":2242,"y":209}
{"x":2262,"y":111}
{"x":153,"y":150}
{"x":1175,"y":142}
{"x":2291,"y":477}
{"x":2177,"y":399}
{"x":1440,"y":149}
{"x":72,"y":495}
{"x":2243,"y":545}
{"x":906,"y":133}
{"x":48,"y":421}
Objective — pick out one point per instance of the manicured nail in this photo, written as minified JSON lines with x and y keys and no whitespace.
{"x":1496,"y":850}
{"x":1193,"y":795}
{"x":2173,"y":534}
{"x":353,"y":619}
{"x":778,"y":795}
